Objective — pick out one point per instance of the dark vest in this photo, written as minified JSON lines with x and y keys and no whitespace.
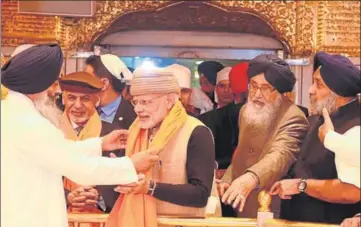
{"x":317,"y":162}
{"x":124,"y":117}
{"x":223,"y":123}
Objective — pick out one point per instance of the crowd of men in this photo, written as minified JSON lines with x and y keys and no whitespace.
{"x":143,"y":143}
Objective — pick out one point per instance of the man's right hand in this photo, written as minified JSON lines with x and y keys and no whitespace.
{"x":145,"y":160}
{"x":222,"y":187}
{"x":83,"y":198}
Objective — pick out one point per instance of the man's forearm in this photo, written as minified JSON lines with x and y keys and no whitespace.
{"x":333,"y":191}
{"x":192,"y":195}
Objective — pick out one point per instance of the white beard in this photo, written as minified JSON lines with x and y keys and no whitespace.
{"x":329,"y":103}
{"x":261,"y":118}
{"x":48,"y":109}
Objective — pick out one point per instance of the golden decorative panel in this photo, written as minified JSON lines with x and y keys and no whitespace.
{"x":339,"y":27}
{"x":280,"y":15}
{"x":19,"y":29}
{"x":82,"y":33}
{"x":304,"y":27}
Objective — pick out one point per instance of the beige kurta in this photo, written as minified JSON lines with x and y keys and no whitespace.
{"x":173,"y":171}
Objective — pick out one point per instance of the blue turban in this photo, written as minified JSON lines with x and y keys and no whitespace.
{"x":339,"y":74}
{"x":276,"y":71}
{"x":210,"y":69}
{"x":33,"y":70}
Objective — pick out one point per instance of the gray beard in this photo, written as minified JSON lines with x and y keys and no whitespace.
{"x":260,"y":119}
{"x":329,"y":103}
{"x":48,"y":109}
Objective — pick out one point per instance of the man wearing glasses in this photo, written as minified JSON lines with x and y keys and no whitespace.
{"x":271,"y":131}
{"x":182,"y":181}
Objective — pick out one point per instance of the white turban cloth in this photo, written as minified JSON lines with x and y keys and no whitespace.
{"x":200,"y":100}
{"x":182,"y":73}
{"x":116,"y":67}
{"x":222,"y":75}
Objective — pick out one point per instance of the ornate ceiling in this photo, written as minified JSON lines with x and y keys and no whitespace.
{"x":304,"y":27}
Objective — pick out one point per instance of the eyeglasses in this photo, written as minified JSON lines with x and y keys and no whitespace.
{"x":143,"y":102}
{"x":265,"y":90}
{"x":224,"y":86}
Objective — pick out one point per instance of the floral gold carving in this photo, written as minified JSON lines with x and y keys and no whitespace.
{"x":304,"y":27}
{"x":19,"y":28}
{"x":190,"y":16}
{"x":81,"y":35}
{"x":339,"y":27}
{"x":279,"y":14}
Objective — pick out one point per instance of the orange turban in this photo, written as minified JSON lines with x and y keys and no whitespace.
{"x":238,"y":78}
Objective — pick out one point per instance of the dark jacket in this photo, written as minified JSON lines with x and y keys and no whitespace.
{"x":223,"y":123}
{"x":124,"y":117}
{"x":317,"y":162}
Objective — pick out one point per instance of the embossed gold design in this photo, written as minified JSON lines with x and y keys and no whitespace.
{"x":80,"y":35}
{"x":339,"y":27}
{"x":306,"y":42}
{"x":303,"y":26}
{"x":24,"y":28}
{"x":280,"y":15}
{"x":3,"y":60}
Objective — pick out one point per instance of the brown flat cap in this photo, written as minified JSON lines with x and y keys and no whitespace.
{"x":81,"y":82}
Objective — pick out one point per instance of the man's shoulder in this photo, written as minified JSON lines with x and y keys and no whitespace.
{"x":292,"y":118}
{"x":126,"y":109}
{"x":192,"y":121}
{"x":197,"y":127}
{"x":294,"y":112}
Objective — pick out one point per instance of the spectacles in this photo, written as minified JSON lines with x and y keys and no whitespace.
{"x":143,"y":102}
{"x":265,"y":90}
{"x":224,"y":86}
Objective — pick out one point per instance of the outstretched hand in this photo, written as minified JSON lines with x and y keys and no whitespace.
{"x":326,"y":127}
{"x":115,"y":140}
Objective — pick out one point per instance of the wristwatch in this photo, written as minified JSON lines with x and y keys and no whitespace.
{"x":302,"y":185}
{"x":151,"y":187}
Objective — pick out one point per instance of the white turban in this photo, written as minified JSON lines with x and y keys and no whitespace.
{"x":183,"y":75}
{"x":21,"y":48}
{"x":200,"y":100}
{"x":116,"y":67}
{"x":222,"y":75}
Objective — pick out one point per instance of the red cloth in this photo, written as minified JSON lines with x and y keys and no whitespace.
{"x":238,"y":78}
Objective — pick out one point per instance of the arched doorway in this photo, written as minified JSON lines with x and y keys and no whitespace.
{"x":194,"y":30}
{"x":191,"y":29}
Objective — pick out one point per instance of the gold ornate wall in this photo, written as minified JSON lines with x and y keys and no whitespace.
{"x":303,"y":26}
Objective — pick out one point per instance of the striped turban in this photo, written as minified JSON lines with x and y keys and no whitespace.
{"x":153,"y":81}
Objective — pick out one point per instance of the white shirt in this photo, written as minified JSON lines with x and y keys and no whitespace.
{"x":347,"y":154}
{"x":34,"y":157}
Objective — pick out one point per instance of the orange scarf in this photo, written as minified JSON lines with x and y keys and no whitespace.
{"x":91,"y":129}
{"x":140,"y":210}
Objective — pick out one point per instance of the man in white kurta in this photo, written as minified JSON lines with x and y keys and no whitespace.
{"x":346,"y":148}
{"x":34,"y":153}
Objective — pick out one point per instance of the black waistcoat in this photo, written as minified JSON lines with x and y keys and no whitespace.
{"x":124,"y":117}
{"x":223,"y":123}
{"x":317,"y":162}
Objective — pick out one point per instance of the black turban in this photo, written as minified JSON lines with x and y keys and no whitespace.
{"x":276,"y":71}
{"x":210,"y":70}
{"x":339,"y":74}
{"x":33,"y":70}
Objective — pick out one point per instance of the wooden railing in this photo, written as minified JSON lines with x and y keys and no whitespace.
{"x":264,"y":199}
{"x":98,"y":220}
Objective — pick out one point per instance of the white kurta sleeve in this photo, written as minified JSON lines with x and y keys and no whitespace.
{"x":346,"y":147}
{"x":80,"y":161}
